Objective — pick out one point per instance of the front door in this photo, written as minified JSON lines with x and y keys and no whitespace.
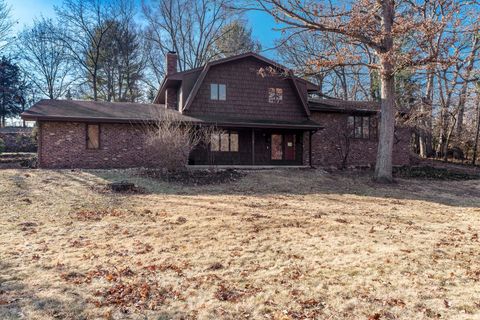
{"x":289,"y":147}
{"x":282,"y":147}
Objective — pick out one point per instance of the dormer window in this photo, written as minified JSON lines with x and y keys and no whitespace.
{"x":275,"y":95}
{"x":218,"y":91}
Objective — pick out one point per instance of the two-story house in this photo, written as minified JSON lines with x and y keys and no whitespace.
{"x":267,"y":117}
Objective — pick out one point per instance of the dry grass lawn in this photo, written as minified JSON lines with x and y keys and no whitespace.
{"x":274,"y":245}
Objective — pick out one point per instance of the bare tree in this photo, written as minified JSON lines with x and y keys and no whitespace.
{"x":86,"y":24}
{"x":476,"y":136}
{"x":45,"y":58}
{"x":469,"y":63}
{"x":6,"y":24}
{"x":299,"y":49}
{"x":188,"y":27}
{"x":382,"y":26}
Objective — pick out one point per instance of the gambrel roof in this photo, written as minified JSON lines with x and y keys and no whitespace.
{"x":199,"y":75}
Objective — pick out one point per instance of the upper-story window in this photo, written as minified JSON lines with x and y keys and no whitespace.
{"x":218,"y":91}
{"x":275,"y":95}
{"x":362,"y":127}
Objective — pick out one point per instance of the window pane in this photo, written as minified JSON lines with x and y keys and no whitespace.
{"x":222,"y":92}
{"x":351,"y":126}
{"x":279,"y":94}
{"x":215,"y":142}
{"x":224,"y":142}
{"x":271,"y":95}
{"x":93,"y":136}
{"x":234,"y":142}
{"x":214,"y":91}
{"x":358,"y":127}
{"x":277,"y":152}
{"x":275,"y":95}
{"x":373,"y":127}
{"x":366,"y":127}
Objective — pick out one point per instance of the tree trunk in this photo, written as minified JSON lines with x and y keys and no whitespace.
{"x":477,"y":134}
{"x":425,"y":137}
{"x":447,"y":142}
{"x":94,"y":85}
{"x":383,"y":168}
{"x":463,"y":93}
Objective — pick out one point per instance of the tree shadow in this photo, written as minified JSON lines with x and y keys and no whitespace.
{"x":17,"y":295}
{"x":464,"y":193}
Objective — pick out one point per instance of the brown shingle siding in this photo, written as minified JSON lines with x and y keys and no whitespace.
{"x":247,"y":93}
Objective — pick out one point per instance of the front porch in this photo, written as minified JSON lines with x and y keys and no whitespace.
{"x":266,"y":148}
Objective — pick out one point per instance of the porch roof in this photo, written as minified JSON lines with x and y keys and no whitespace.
{"x":267,"y":124}
{"x":124,"y":112}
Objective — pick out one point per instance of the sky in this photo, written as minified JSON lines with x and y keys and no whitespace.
{"x":25,"y":11}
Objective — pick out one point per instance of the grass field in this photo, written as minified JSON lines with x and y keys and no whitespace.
{"x":274,"y":245}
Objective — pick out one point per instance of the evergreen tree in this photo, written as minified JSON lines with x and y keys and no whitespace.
{"x":235,"y":39}
{"x":11,"y":99}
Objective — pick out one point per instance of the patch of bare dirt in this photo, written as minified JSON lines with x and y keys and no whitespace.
{"x":195,"y":177}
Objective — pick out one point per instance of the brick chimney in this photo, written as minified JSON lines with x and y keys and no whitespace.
{"x":171,"y":63}
{"x":171,"y":93}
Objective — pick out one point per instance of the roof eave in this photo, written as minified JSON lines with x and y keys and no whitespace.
{"x":29,"y":117}
{"x":342,"y":110}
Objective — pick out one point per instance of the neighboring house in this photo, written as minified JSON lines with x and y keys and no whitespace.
{"x":266,"y":116}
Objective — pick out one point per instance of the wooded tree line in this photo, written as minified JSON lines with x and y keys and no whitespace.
{"x":113,"y":50}
{"x":425,"y":54}
{"x":419,"y":58}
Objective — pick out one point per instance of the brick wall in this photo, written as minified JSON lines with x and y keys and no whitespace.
{"x":63,"y":145}
{"x":329,"y":145}
{"x":247,"y":94}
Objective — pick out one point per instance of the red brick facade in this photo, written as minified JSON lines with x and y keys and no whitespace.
{"x":330,"y":144}
{"x":63,"y":145}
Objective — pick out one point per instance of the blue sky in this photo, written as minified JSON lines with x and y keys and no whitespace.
{"x":24,"y":11}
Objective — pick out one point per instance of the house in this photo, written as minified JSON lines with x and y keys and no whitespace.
{"x":267,"y":117}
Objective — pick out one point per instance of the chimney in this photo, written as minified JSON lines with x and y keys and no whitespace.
{"x":171,"y":93}
{"x":171,"y":62}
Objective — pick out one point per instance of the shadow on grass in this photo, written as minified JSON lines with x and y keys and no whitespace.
{"x":312,"y":182}
{"x":19,"y":300}
{"x":16,"y":296}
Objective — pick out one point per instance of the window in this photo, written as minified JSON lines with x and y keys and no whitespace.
{"x":218,"y":91}
{"x":362,"y":127}
{"x":93,"y":136}
{"x":275,"y":95}
{"x":226,"y":141}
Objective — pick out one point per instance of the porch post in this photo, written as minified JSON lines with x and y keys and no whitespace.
{"x":253,"y":146}
{"x":310,"y":148}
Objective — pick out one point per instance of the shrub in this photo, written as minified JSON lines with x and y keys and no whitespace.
{"x":2,"y":145}
{"x":169,"y":142}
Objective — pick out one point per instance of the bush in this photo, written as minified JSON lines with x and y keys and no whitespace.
{"x":170,"y":142}
{"x":2,"y":145}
